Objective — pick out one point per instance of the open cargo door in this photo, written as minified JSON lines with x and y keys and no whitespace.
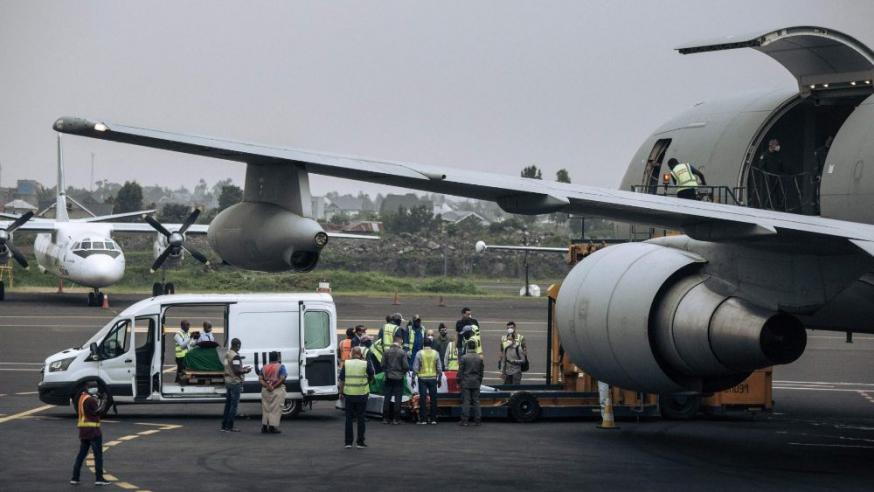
{"x":318,"y":359}
{"x":818,"y":57}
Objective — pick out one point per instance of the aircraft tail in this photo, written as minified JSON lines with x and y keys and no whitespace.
{"x":61,"y":202}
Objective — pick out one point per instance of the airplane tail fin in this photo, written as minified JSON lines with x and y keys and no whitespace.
{"x":61,"y":202}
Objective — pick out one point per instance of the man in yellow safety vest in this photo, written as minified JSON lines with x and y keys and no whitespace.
{"x":387,"y":333}
{"x":429,"y":369}
{"x":90,"y":436}
{"x":183,"y":343}
{"x":355,"y":378}
{"x":686,"y":179}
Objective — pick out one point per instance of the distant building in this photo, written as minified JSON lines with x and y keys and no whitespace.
{"x":27,"y":190}
{"x":364,"y":227}
{"x":344,"y":204}
{"x":392,"y":203}
{"x":459,"y":217}
{"x":19,"y":207}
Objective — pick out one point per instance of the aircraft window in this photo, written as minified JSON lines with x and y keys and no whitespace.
{"x":97,"y":245}
{"x":86,"y":245}
{"x":76,"y":246}
{"x":110,"y":245}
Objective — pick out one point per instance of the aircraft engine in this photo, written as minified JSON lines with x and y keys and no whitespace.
{"x":644,"y":317}
{"x":266,"y":237}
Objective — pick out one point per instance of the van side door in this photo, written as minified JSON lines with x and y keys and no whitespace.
{"x":262,"y":328}
{"x":115,"y":355}
{"x":318,"y":361}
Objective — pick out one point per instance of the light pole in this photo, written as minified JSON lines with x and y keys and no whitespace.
{"x":525,"y":241}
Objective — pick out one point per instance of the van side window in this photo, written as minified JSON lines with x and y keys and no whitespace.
{"x":316,"y":330}
{"x":116,"y":341}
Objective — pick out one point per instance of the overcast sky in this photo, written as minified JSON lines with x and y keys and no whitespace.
{"x":486,"y":85}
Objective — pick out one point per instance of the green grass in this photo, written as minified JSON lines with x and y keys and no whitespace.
{"x":193,"y":277}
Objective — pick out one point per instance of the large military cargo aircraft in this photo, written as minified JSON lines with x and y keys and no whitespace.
{"x":692,"y":312}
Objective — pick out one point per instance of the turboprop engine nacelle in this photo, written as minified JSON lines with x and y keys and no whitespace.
{"x":266,"y":237}
{"x":642,"y":316}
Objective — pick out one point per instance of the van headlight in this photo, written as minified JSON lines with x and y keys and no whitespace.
{"x":61,"y":365}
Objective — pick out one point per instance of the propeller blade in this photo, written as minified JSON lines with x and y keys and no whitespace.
{"x":190,"y":220}
{"x":197,"y":254}
{"x":19,"y":221}
{"x":160,"y":260}
{"x":156,"y":225}
{"x":17,"y":255}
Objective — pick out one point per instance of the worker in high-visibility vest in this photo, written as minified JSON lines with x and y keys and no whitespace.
{"x":387,"y":333}
{"x":183,"y":342}
{"x":345,"y":346}
{"x":686,"y":178}
{"x":471,"y":332}
{"x":371,"y":355}
{"x":355,"y":378}
{"x":88,"y":408}
{"x":512,"y":336}
{"x":429,"y":370}
{"x":450,"y":358}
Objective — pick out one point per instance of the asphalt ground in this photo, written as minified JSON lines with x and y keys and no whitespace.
{"x":820,"y":436}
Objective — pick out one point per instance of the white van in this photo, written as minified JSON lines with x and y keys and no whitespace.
{"x":131,"y":357}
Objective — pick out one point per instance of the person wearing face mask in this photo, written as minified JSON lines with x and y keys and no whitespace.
{"x":513,"y":333}
{"x":416,"y":334}
{"x":90,"y":436}
{"x":773,"y":168}
{"x":511,"y":359}
{"x":441,"y":341}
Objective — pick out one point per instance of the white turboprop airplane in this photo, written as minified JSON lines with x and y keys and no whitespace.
{"x":83,"y":251}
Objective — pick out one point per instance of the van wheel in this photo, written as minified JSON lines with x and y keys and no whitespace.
{"x":524,"y":407}
{"x":103,"y":397}
{"x":291,"y":408}
{"x":169,"y":288}
{"x":679,"y":407}
{"x":157,"y":289}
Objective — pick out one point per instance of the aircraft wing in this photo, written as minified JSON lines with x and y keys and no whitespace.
{"x":143,"y":227}
{"x":700,"y":220}
{"x":110,"y":218}
{"x":32,"y":226}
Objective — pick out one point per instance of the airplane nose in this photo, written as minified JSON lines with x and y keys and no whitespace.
{"x":103,"y":270}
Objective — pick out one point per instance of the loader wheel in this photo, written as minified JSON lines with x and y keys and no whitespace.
{"x":679,"y":407}
{"x":524,"y":407}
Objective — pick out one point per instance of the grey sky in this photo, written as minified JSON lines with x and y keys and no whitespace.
{"x":483,"y":85}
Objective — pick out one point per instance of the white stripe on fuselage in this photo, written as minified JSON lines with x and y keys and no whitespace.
{"x":54,"y":254}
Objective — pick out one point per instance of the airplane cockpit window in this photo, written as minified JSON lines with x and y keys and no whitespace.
{"x":86,"y":245}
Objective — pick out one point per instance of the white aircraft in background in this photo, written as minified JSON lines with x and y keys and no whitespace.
{"x":83,"y":251}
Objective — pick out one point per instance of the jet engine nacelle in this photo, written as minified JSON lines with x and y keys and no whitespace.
{"x":266,"y":237}
{"x":643,"y":317}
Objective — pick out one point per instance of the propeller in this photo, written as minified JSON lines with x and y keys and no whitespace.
{"x":175,"y":240}
{"x":6,"y":246}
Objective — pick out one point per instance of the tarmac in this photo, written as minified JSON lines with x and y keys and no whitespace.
{"x":820,"y":435}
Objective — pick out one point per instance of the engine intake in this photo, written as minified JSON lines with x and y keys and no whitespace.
{"x":639,"y":316}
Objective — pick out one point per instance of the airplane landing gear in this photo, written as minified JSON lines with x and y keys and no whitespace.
{"x":2,"y":290}
{"x":95,"y":298}
{"x":159,"y":289}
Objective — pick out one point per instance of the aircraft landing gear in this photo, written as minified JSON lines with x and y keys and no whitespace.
{"x":2,"y":290}
{"x":159,"y":289}
{"x":95,"y":298}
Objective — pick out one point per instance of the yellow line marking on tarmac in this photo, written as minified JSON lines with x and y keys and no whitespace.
{"x":128,"y":438}
{"x":149,"y":432}
{"x":112,"y":443}
{"x":111,"y":478}
{"x":28,"y":393}
{"x":25,"y":413}
{"x":125,"y":485}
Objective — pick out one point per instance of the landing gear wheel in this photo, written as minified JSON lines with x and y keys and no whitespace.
{"x":679,"y":407}
{"x":524,"y":407}
{"x":104,"y":399}
{"x":169,"y":288}
{"x":99,"y":299}
{"x":92,"y":299}
{"x":2,"y":291}
{"x":291,"y":408}
{"x":157,"y":289}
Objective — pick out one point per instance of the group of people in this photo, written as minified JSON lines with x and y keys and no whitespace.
{"x":186,"y":341}
{"x":410,"y":352}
